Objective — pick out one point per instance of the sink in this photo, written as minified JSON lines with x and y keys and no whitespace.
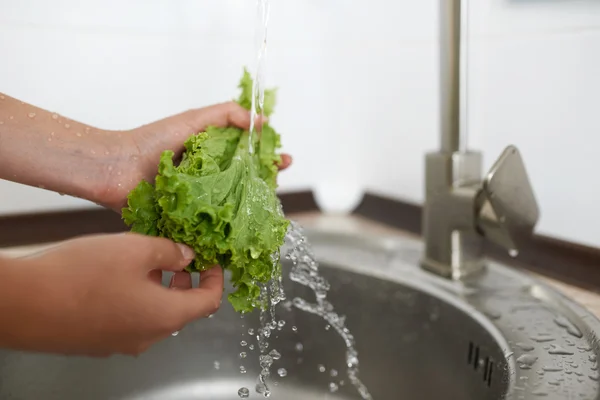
{"x":499,"y":335}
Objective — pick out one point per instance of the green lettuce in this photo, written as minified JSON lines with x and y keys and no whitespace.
{"x":221,"y":201}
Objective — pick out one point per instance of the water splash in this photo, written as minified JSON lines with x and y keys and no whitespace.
{"x":305,"y":271}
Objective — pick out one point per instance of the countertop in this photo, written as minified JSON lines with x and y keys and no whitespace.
{"x":355,"y":224}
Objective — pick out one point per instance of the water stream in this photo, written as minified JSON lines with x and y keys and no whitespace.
{"x":258,"y":83}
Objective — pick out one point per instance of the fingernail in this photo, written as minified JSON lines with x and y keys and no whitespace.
{"x":187,"y":252}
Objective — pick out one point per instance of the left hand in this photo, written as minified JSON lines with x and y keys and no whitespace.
{"x":136,"y":152}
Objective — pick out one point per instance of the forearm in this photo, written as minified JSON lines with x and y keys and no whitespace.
{"x":44,"y":149}
{"x":15,"y":309}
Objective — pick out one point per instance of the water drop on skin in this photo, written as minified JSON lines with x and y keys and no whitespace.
{"x":78,"y":134}
{"x":54,"y":116}
{"x":1,"y":122}
{"x":2,"y":97}
{"x":175,"y":333}
{"x":11,"y":117}
{"x":31,"y":115}
{"x":67,"y":126}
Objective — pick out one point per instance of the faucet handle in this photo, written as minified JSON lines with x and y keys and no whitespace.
{"x":507,"y":211}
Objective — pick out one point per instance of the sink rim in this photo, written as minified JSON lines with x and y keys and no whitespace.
{"x":392,"y":264}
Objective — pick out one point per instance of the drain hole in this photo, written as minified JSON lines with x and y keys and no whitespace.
{"x":485,"y":369}
{"x":489,"y":377}
{"x":474,"y":360}
{"x":470,"y":359}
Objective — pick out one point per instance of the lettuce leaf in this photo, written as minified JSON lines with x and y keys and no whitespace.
{"x":221,"y":201}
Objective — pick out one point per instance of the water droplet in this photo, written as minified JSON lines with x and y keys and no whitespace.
{"x":55,"y":116}
{"x":299,"y":347}
{"x":558,"y":350}
{"x":242,"y":369}
{"x":281,"y":323}
{"x":282,"y":372}
{"x":87,"y":129}
{"x":275,"y":354}
{"x":2,"y":97}
{"x":251,"y":347}
{"x":67,"y":126}
{"x":333,"y":373}
{"x":243,"y":343}
{"x":524,"y":346}
{"x":592,"y":357}
{"x":295,"y":328}
{"x":244,"y":393}
{"x":78,"y":134}
{"x":321,"y":368}
{"x":31,"y":115}
{"x":11,"y":117}
{"x":542,"y":338}
{"x":110,"y":167}
{"x":243,"y":354}
{"x":250,"y":331}
{"x":526,"y":361}
{"x":175,"y":333}
{"x":551,"y":368}
{"x":1,"y":122}
{"x":513,"y":253}
{"x":217,"y":365}
{"x":568,"y":326}
{"x":333,"y":387}
{"x":327,"y":327}
{"x":261,"y":388}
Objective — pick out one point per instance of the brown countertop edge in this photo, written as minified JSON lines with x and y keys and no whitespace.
{"x":570,"y":263}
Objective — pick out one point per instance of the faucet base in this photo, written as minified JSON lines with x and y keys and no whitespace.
{"x":453,"y":246}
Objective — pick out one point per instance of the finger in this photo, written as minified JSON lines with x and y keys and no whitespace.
{"x":160,"y":253}
{"x":221,"y":115}
{"x":181,"y":280}
{"x":155,"y":275}
{"x":204,"y":300}
{"x":286,"y":161}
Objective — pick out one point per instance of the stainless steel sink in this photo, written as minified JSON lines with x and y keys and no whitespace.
{"x":501,"y":335}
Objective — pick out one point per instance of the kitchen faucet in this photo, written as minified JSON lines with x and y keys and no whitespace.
{"x":462,"y":209}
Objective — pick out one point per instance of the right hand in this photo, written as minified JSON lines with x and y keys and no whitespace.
{"x":100,"y":295}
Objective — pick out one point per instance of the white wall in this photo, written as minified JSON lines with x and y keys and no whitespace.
{"x":358,"y":85}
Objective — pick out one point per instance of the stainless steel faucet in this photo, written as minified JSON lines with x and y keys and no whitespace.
{"x":462,"y":208}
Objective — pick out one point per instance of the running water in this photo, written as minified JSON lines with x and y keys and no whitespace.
{"x":305,"y":271}
{"x":258,"y":83}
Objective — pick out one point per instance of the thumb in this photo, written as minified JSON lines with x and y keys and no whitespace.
{"x":202,"y":301}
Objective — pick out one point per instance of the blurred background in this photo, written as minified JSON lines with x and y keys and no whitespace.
{"x":358,"y":87}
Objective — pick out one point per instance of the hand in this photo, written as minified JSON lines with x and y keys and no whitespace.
{"x":139,"y":150}
{"x":100,"y":295}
